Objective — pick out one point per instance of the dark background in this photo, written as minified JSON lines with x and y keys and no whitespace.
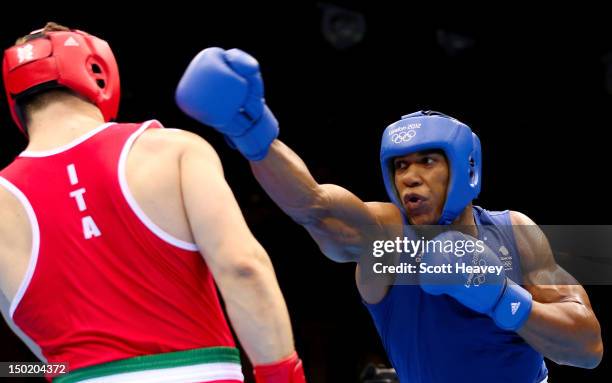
{"x":534,"y":85}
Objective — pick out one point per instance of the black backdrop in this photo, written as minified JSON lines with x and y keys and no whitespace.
{"x":532,"y":84}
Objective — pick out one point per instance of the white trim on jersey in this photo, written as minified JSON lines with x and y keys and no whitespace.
{"x":35,"y":242}
{"x":25,"y":282}
{"x":127,"y":194}
{"x":205,"y":372}
{"x":70,"y":145}
{"x":33,"y":346}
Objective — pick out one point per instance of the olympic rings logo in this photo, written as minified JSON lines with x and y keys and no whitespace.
{"x":404,"y":136}
{"x":480,"y":278}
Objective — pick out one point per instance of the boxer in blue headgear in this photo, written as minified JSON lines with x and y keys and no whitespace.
{"x":474,"y":328}
{"x":427,"y":130}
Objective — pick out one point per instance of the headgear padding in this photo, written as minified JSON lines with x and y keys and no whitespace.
{"x":55,"y":59}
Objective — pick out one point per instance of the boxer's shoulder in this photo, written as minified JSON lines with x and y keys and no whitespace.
{"x":518,"y":218}
{"x":170,"y":139}
{"x":531,"y":242}
{"x":12,"y":209}
{"x":386,"y":213}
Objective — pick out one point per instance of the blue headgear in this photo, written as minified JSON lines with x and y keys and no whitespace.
{"x":427,"y":130}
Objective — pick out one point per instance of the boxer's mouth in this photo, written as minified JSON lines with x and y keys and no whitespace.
{"x":414,"y":202}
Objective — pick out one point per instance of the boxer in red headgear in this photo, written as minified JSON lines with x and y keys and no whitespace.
{"x":64,"y":58}
{"x":112,"y":234}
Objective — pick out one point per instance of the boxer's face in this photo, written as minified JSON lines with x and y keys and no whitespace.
{"x":421,"y":180}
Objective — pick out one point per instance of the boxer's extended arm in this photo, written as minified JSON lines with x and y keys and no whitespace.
{"x":240,"y":266}
{"x":342,"y":224}
{"x":562,"y":325}
{"x":224,"y":89}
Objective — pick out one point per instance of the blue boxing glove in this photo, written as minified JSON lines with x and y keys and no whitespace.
{"x":224,"y":89}
{"x":489,"y":293}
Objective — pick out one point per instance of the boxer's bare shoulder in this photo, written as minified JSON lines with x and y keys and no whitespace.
{"x":154,"y":176}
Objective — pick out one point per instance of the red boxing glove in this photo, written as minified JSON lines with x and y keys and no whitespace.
{"x":288,"y":370}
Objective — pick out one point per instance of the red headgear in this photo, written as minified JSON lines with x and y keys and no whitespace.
{"x":71,"y":59}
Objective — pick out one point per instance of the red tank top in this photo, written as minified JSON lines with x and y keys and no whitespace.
{"x":104,"y":282}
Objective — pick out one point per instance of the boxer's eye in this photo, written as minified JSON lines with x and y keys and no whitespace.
{"x":427,"y":160}
{"x":400,"y":164}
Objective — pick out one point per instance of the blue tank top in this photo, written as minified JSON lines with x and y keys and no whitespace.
{"x":435,"y":339}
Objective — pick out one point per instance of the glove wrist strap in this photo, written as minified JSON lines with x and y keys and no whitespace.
{"x":255,"y":142}
{"x":513,"y":308}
